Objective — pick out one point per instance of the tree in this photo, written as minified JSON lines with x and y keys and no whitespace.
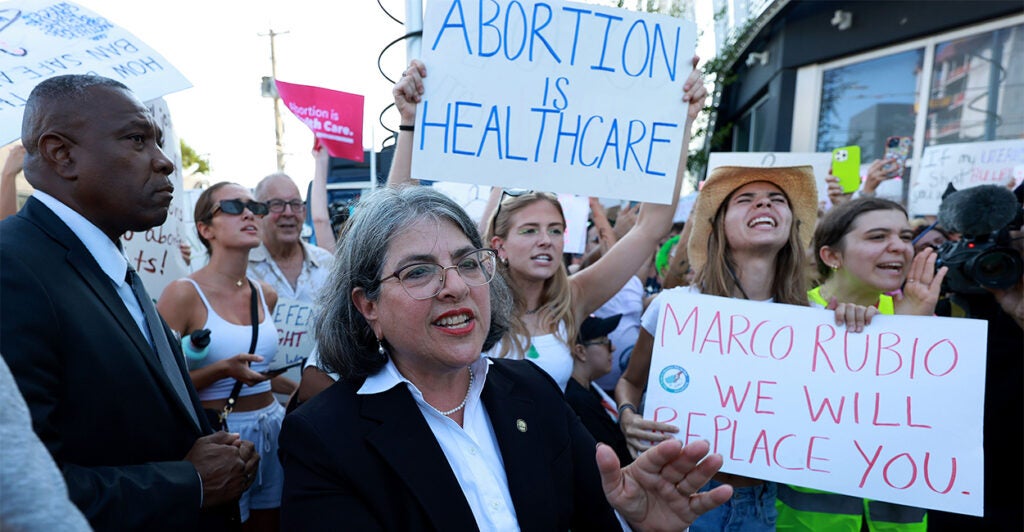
{"x":192,"y":162}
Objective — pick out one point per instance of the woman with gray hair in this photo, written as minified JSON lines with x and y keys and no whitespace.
{"x":423,"y":432}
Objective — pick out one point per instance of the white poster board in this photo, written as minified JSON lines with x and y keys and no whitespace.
{"x":40,"y":39}
{"x":556,"y":96}
{"x":966,"y":165}
{"x":893,"y":413}
{"x":156,"y":253}
{"x":821,"y":162}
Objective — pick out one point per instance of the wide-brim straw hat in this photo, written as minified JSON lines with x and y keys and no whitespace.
{"x":797,"y":182}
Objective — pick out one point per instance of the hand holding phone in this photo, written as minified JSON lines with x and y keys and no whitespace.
{"x":846,"y":167}
{"x":273,"y":372}
{"x":897,"y":150}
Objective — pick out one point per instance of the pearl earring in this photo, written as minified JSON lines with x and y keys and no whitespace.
{"x":380,"y":349}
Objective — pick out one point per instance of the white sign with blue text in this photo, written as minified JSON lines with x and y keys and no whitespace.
{"x":553,"y":96}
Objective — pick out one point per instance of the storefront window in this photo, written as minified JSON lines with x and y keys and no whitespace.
{"x":865,"y":103}
{"x":977,"y":88}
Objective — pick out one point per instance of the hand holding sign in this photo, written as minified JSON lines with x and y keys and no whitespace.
{"x":408,"y":92}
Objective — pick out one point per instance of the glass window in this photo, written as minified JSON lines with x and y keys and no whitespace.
{"x":977,"y":86}
{"x":865,"y":103}
{"x":752,"y":129}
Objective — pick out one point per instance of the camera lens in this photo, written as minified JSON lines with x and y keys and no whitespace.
{"x":996,"y":268}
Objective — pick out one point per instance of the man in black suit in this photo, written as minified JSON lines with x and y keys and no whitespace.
{"x":102,"y":374}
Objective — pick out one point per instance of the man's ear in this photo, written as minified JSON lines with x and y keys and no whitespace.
{"x":368,"y":308}
{"x":55,"y":149}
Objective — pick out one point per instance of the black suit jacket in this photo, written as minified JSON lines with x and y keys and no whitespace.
{"x":587,"y":404}
{"x":370,"y":462}
{"x":98,"y":395}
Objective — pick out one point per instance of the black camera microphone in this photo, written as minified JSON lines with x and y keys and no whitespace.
{"x":983,"y":257}
{"x":978,"y":210}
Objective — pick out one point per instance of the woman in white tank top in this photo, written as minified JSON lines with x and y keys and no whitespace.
{"x":218,"y":298}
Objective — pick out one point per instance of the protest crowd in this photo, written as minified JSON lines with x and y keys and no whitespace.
{"x":466,"y":374}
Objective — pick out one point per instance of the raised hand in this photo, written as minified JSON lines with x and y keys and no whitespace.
{"x":659,"y":491}
{"x":921,"y":291}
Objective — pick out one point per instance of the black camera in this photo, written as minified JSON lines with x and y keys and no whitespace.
{"x":983,"y":258}
{"x":980,"y":262}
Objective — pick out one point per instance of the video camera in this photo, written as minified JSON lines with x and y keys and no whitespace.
{"x":983,"y":258}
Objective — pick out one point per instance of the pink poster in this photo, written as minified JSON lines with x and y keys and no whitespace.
{"x":334,"y":117}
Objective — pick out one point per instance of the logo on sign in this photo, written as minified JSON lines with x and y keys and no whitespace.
{"x":674,"y":379}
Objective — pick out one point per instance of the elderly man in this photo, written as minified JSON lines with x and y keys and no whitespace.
{"x":295,"y":269}
{"x":102,"y":374}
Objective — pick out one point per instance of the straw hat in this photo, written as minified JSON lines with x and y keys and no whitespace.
{"x":797,"y":182}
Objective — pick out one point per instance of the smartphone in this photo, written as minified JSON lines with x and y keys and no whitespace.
{"x":273,"y":372}
{"x":897,"y":149}
{"x":846,"y":167}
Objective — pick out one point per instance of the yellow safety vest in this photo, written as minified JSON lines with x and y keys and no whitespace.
{"x":806,"y":509}
{"x":884,"y":305}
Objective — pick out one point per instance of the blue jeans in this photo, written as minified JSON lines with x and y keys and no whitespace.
{"x":750,"y":509}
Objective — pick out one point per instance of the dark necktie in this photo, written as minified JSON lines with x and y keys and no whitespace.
{"x":163,"y":348}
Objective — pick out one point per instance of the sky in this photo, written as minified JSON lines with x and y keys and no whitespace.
{"x":222,"y":48}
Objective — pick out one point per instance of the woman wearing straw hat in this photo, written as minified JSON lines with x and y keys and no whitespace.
{"x":750,"y":229}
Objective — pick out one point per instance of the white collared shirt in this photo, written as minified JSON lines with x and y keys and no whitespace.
{"x":316,"y":268}
{"x":110,"y":258}
{"x":472,"y":449}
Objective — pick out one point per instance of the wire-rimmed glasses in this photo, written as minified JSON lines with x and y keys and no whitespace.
{"x":424,"y":280}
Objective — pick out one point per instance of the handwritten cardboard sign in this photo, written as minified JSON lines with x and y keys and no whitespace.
{"x":155,"y":253}
{"x":966,"y":165}
{"x":893,"y":413}
{"x":552,"y":95}
{"x":334,"y":117}
{"x":294,"y":320}
{"x":40,"y":39}
{"x":821,"y":162}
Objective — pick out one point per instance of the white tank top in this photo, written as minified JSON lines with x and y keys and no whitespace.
{"x":229,"y":339}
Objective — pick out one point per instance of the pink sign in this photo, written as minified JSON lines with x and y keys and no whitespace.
{"x":335,"y":117}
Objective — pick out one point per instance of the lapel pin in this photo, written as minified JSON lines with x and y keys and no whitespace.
{"x":521,"y":425}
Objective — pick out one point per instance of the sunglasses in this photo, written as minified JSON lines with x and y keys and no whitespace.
{"x":515,"y":193}
{"x":235,"y":207}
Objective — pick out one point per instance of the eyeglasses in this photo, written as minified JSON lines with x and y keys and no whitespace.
{"x":424,"y":280}
{"x":236,"y":206}
{"x":278,"y":205}
{"x":605,"y":342}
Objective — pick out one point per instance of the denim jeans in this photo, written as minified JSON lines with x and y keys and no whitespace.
{"x":750,"y":509}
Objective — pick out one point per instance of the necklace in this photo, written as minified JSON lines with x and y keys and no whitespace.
{"x":534,"y":311}
{"x":238,"y":283}
{"x":462,"y":404}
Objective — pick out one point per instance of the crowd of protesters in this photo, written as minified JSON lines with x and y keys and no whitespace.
{"x":460,"y":377}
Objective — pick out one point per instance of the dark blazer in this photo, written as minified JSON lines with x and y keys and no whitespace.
{"x":98,"y":395}
{"x":587,"y":404}
{"x":370,"y":462}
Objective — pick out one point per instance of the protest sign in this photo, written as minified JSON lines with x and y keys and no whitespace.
{"x":821,"y":162}
{"x":155,"y":252}
{"x":294,"y":320}
{"x":783,"y":394}
{"x":966,"y":165}
{"x":334,"y":117}
{"x":45,"y":38}
{"x":556,"y":96}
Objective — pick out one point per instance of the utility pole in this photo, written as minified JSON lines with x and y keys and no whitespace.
{"x":270,"y":90}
